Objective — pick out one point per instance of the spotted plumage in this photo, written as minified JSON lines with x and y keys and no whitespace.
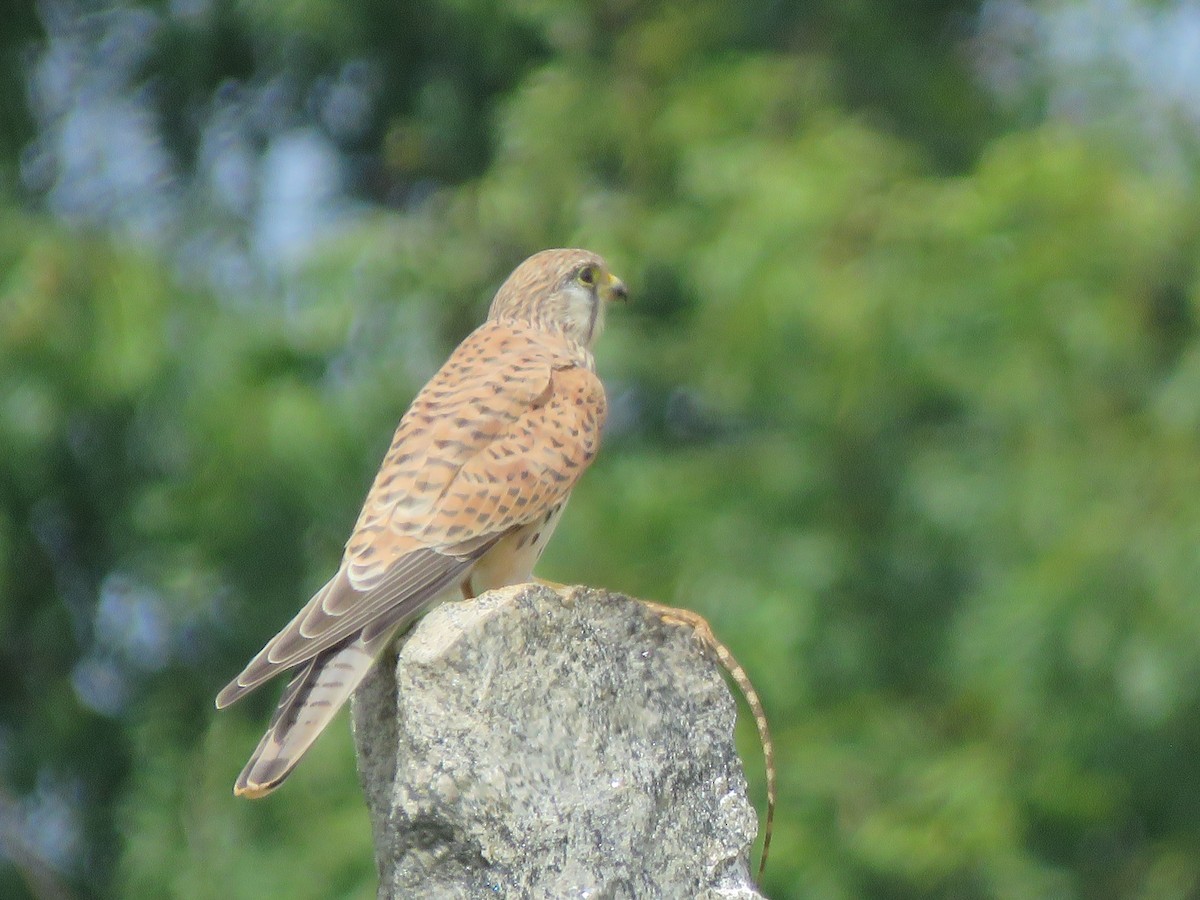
{"x":469,"y":492}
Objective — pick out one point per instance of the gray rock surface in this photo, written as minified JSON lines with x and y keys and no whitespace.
{"x":553,"y":744}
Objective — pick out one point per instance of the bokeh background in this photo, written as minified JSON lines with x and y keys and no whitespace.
{"x":907,"y":404}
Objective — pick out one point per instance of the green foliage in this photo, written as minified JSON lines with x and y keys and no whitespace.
{"x":909,"y":413}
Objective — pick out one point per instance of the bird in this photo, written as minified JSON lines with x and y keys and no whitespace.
{"x":468,"y":494}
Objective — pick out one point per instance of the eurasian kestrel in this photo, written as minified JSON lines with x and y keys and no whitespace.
{"x":474,"y":482}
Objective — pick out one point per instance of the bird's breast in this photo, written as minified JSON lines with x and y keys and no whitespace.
{"x":512,"y":560}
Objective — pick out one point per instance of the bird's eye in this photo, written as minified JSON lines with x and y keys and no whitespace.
{"x":587,"y":276}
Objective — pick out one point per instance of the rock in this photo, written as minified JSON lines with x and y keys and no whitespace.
{"x":549,"y":743}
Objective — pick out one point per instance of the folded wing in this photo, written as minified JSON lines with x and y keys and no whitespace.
{"x":497,"y":438}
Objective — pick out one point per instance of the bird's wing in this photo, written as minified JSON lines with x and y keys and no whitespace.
{"x":497,"y":438}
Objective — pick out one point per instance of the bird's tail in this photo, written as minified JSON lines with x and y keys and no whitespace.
{"x":309,"y":702}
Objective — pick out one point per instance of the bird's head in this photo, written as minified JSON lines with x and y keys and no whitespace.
{"x":564,"y":291}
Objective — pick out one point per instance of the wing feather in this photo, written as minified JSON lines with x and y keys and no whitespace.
{"x":420,"y":577}
{"x":497,"y":439}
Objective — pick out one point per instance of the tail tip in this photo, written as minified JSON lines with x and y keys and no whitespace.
{"x":252,"y":791}
{"x":262,"y":775}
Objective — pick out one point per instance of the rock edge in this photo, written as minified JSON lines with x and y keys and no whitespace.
{"x":553,"y":743}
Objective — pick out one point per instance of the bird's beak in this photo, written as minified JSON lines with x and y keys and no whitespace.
{"x":615,"y":289}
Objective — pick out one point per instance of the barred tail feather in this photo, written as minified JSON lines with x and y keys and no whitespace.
{"x":309,"y":703}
